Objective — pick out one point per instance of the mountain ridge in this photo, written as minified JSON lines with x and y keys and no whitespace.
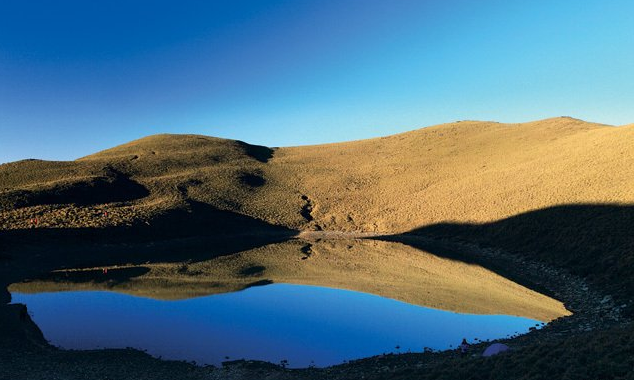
{"x":468,"y":171}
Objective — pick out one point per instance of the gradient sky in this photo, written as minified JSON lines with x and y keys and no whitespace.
{"x":80,"y":76}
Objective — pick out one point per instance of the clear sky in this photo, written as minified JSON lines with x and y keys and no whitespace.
{"x":80,"y":76}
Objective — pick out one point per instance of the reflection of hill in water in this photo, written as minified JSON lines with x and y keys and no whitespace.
{"x":387,"y":269}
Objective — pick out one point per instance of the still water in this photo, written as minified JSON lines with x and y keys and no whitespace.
{"x":305,"y":325}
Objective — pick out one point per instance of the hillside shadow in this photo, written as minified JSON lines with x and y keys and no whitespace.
{"x":257,"y":152}
{"x":252,"y":180}
{"x":113,"y":186}
{"x":594,"y":241}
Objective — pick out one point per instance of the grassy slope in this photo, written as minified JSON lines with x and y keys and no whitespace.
{"x":173,"y":169}
{"x":460,"y":172}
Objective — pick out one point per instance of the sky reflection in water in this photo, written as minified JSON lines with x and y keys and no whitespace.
{"x":302,"y":324}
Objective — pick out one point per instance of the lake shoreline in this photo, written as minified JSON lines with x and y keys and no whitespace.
{"x":31,"y":357}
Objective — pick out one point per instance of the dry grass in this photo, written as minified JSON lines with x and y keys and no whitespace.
{"x":459,"y":172}
{"x":173,"y":168}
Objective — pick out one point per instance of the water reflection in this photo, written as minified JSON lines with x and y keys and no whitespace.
{"x":388,"y":269}
{"x":306,"y":325}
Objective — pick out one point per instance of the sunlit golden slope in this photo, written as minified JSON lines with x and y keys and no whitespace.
{"x":467,"y":171}
{"x":171,"y":169}
{"x":464,"y":172}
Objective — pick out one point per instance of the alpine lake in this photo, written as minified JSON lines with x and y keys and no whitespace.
{"x":297,"y":303}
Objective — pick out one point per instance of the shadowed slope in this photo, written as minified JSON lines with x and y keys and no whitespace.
{"x":592,"y":241}
{"x":111,"y":187}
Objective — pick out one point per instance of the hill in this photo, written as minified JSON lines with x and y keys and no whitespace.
{"x":465,"y":172}
{"x":130,"y":184}
{"x":462,"y":172}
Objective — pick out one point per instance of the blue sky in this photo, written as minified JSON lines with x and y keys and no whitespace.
{"x":80,"y":76}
